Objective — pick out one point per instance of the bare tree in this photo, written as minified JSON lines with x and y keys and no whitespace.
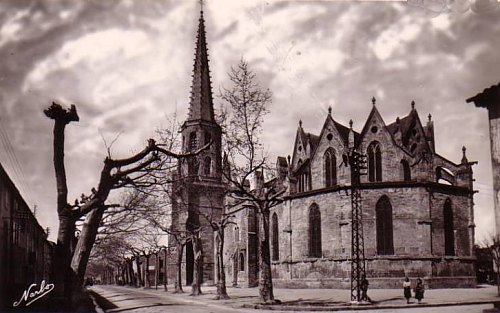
{"x":159,"y":215}
{"x":218,"y":226}
{"x":69,"y":268}
{"x":180,"y":239}
{"x":493,"y":244}
{"x":247,"y":106}
{"x":108,"y":253}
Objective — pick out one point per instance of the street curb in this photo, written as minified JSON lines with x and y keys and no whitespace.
{"x":97,"y":307}
{"x":360,"y":307}
{"x":314,"y":308}
{"x":101,"y":303}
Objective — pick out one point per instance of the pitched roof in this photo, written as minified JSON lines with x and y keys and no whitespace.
{"x":282,"y":162}
{"x":486,"y":98}
{"x":313,"y":140}
{"x":344,"y":133}
{"x":306,"y":138}
{"x":405,"y":124}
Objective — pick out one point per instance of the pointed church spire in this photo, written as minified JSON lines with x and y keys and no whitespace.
{"x":201,"y":103}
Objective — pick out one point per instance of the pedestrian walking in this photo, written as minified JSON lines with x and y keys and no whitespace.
{"x":364,"y":289}
{"x":407,"y":289}
{"x":419,"y":290}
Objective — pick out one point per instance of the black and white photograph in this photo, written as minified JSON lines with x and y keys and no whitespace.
{"x":250,"y":156}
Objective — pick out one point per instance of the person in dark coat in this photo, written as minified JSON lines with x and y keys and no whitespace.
{"x":407,"y":289}
{"x":364,"y":289}
{"x":419,"y":290}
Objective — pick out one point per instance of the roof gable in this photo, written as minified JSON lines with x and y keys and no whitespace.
{"x":413,"y":134}
{"x":299,"y":146}
{"x":373,"y":118}
{"x":339,"y":130}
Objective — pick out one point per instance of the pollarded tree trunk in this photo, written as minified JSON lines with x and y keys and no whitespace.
{"x":221,"y":275}
{"x":265,"y":280}
{"x":85,"y":244}
{"x":124,"y":274}
{"x":126,"y":278}
{"x":157,"y":268}
{"x":146,"y":272}
{"x":198,"y":266}
{"x":61,"y":273}
{"x":131,"y":272}
{"x":165,"y":272}
{"x":178,"y":264}
{"x":235,"y":267}
{"x":139,"y":273}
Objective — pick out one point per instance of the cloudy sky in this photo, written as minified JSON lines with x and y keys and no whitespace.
{"x":127,"y":65}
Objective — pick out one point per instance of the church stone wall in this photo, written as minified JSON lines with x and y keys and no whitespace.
{"x":335,"y":210}
{"x":416,"y":208}
{"x":461,"y":221}
{"x":417,"y":226}
{"x":409,"y":206}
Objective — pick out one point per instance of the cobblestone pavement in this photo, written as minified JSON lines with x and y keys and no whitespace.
{"x":128,"y":299}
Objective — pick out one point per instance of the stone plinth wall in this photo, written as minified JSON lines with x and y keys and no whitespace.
{"x":381,"y":272}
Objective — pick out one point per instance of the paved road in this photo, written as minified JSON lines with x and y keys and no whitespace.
{"x":120,"y":299}
{"x":128,"y":300}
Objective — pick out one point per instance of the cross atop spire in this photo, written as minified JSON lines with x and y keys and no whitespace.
{"x":201,"y":102}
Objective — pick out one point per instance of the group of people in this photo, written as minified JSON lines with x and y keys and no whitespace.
{"x":419,"y":289}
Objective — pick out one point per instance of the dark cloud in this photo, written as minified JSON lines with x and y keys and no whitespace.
{"x":311,"y":54}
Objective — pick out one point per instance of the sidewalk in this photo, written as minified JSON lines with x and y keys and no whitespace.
{"x":333,"y":299}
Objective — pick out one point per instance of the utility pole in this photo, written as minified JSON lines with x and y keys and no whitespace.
{"x":357,"y":163}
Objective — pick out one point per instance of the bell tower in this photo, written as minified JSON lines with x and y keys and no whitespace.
{"x":201,"y":191}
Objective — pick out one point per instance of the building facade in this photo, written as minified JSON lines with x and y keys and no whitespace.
{"x":418,"y":217}
{"x":25,"y":252}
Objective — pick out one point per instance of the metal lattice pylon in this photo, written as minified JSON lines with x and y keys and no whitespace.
{"x":358,"y":270}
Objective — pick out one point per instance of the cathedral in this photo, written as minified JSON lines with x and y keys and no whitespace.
{"x":417,"y":205}
{"x":418,"y":217}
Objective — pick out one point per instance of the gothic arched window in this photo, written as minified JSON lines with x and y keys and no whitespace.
{"x":275,"y":238}
{"x":383,"y":213}
{"x":406,"y":170}
{"x":242,"y":262}
{"x":330,"y":168}
{"x":206,"y":166}
{"x":236,"y":234}
{"x":449,"y":235}
{"x":374,"y":162}
{"x":314,"y":231}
